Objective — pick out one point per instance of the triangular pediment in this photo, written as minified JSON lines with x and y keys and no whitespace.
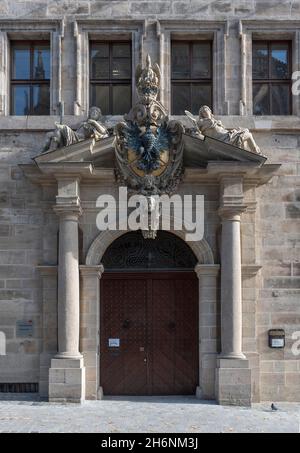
{"x":84,"y":151}
{"x":197,"y":153}
{"x":200,"y":152}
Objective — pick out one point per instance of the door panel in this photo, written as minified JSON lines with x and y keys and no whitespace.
{"x":124,"y":317}
{"x":163,"y":337}
{"x":156,"y":318}
{"x":187,"y":336}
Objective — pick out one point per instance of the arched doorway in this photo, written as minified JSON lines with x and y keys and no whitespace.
{"x":149,"y":317}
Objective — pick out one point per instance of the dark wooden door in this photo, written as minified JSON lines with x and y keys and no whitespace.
{"x":154,"y":316}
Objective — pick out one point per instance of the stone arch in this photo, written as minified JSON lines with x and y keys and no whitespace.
{"x":201,"y":249}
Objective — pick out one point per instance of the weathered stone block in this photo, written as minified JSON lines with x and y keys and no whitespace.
{"x":67,"y":381}
{"x":234,"y":385}
{"x":150,"y":8}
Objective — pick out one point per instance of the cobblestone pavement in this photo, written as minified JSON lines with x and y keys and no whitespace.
{"x":144,"y":414}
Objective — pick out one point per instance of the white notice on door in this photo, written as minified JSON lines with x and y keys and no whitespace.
{"x":114,"y":342}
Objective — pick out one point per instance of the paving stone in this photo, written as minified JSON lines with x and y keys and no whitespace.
{"x":26,"y":414}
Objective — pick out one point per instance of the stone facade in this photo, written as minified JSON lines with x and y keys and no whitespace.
{"x":270,"y":227}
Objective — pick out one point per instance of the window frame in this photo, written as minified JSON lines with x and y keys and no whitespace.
{"x":216,"y":31}
{"x":86,"y":30}
{"x":31,"y":82}
{"x":273,"y":82}
{"x":51,"y":30}
{"x":192,"y":81}
{"x":110,"y":82}
{"x":266,"y":30}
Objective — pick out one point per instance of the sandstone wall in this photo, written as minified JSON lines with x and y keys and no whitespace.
{"x":271,"y":235}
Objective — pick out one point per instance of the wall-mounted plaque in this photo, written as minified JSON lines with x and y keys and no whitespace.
{"x":114,"y":342}
{"x":276,"y":338}
{"x":24,"y":329}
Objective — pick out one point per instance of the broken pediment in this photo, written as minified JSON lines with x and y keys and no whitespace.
{"x":197,"y":152}
{"x":85,"y":151}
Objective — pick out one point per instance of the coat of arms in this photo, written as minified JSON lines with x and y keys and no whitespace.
{"x":148,"y":146}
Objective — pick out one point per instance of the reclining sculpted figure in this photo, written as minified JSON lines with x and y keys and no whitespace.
{"x":207,"y":125}
{"x":64,"y":135}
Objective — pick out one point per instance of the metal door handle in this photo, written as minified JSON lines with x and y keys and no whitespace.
{"x":126,"y":324}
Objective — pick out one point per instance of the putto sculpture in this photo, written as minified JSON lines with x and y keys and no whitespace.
{"x":207,"y":125}
{"x":64,"y":135}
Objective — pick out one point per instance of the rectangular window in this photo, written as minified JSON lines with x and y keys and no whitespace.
{"x":272,"y":71}
{"x":30,"y":78}
{"x":110,"y":77}
{"x":191,"y":76}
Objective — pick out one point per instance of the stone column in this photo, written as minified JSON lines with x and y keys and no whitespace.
{"x":231,"y":286}
{"x":68,"y":283}
{"x":208,"y":293}
{"x":233,"y":383}
{"x":67,"y":373}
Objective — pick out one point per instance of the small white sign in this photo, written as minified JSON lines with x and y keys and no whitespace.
{"x":277,"y":342}
{"x":114,"y":342}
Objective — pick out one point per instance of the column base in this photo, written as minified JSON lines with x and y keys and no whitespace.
{"x":65,"y":355}
{"x":233,"y":382}
{"x":199,"y":393}
{"x":233,"y":355}
{"x":67,"y":381}
{"x":100,"y":393}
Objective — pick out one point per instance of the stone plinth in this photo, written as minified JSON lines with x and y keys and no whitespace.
{"x":67,"y":381}
{"x":233,"y":382}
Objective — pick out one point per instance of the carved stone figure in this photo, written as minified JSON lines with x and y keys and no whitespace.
{"x":64,"y":135}
{"x":152,"y":218}
{"x":207,"y":125}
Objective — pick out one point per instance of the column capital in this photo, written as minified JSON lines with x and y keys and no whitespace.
{"x":250,"y":270}
{"x":68,"y":209}
{"x":231,"y":212}
{"x":211,"y":270}
{"x":93,"y":271}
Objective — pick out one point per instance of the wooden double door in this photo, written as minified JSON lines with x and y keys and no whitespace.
{"x":149,"y":333}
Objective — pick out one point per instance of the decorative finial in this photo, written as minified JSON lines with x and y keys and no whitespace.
{"x":148,"y":81}
{"x":148,"y":61}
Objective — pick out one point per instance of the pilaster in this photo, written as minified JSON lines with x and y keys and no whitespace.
{"x":90,"y":327}
{"x":208,"y":275}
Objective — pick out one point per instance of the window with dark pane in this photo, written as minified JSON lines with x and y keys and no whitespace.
{"x":110,"y":76}
{"x":30,"y":78}
{"x":191,"y":76}
{"x":272,"y":72}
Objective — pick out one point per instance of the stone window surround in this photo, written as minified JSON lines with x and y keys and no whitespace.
{"x":265,"y":30}
{"x":215,"y":31}
{"x":53,"y":30}
{"x":113,"y":30}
